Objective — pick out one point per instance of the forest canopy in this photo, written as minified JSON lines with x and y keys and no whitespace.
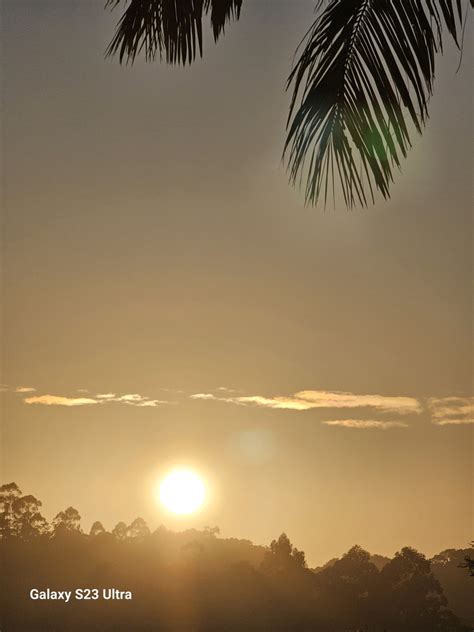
{"x":196,"y":580}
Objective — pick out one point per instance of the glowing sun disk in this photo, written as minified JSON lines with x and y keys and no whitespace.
{"x":182,"y":492}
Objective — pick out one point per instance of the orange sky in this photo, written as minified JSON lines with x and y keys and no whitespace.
{"x":157,"y":265}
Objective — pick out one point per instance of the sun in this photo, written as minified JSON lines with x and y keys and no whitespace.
{"x":182,"y":492}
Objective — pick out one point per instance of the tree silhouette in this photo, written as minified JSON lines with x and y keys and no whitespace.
{"x":30,"y":523}
{"x":195,"y":580}
{"x":469,"y":565}
{"x":67,"y":522}
{"x":415,"y":597}
{"x":364,"y":67}
{"x":282,"y":557}
{"x":20,"y":516}
{"x":138,"y":529}
{"x":97,"y":528}
{"x":120,"y":531}
{"x":9,"y":493}
{"x":448,"y":568}
{"x":469,"y":562}
{"x":349,"y":589}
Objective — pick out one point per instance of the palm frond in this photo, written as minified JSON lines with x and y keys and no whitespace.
{"x":366,"y":66}
{"x":168,"y":28}
{"x":222,"y":11}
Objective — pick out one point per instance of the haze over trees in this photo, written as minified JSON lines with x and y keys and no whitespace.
{"x":361,"y":84}
{"x":195,"y":580}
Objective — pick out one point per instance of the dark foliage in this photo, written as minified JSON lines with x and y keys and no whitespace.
{"x":196,"y":581}
{"x":366,"y":65}
{"x":168,"y":28}
{"x":469,"y":561}
{"x":361,"y":83}
{"x":452,"y":569}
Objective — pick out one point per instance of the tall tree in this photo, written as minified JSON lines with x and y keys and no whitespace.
{"x":97,"y":528}
{"x":347,"y":589}
{"x":138,"y":529}
{"x":282,"y":557}
{"x":120,"y":531}
{"x":29,"y":523}
{"x":9,"y":493}
{"x":20,"y":516}
{"x":67,"y":522}
{"x":414,"y":598}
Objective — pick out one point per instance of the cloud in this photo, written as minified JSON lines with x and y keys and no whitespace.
{"x":307,"y":400}
{"x":131,"y":399}
{"x":452,"y":411}
{"x":455,"y":422}
{"x":135,"y":399}
{"x":16,"y":389}
{"x":56,"y":400}
{"x":149,"y":403}
{"x":366,"y":424}
{"x":287,"y":403}
{"x":444,"y":411}
{"x":336,"y":399}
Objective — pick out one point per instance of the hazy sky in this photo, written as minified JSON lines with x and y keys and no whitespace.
{"x":153,"y":248}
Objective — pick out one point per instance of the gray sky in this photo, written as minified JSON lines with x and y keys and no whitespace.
{"x":153,"y":247}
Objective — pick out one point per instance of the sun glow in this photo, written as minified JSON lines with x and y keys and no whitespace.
{"x":182,"y":492}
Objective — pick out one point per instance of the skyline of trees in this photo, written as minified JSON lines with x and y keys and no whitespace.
{"x":224,"y":584}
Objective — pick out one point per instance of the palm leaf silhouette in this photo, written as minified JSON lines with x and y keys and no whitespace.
{"x":363,"y":78}
{"x":365,"y":66}
{"x":169,"y":28}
